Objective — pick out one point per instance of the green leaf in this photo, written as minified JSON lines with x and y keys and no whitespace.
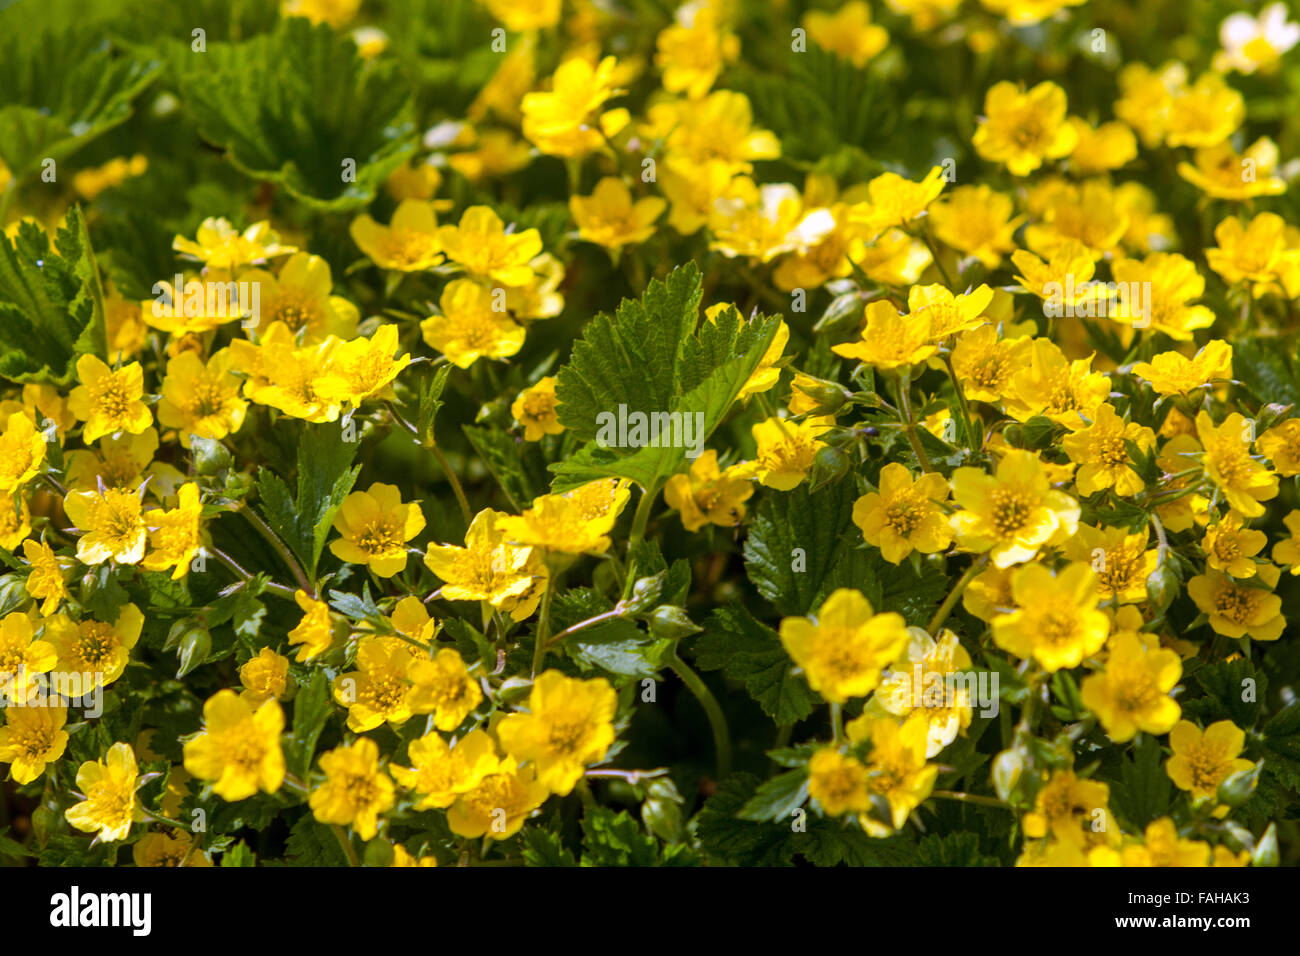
{"x":51,"y":304}
{"x":647,"y":358}
{"x":778,"y":798}
{"x":795,"y":541}
{"x":748,"y":651}
{"x":1144,"y":789}
{"x":61,"y":84}
{"x":1267,"y":370}
{"x":324,"y":481}
{"x":1225,"y":683}
{"x":543,"y":848}
{"x":615,"y":839}
{"x":515,"y":464}
{"x":311,"y":708}
{"x":952,"y":849}
{"x":239,"y":855}
{"x":295,"y":106}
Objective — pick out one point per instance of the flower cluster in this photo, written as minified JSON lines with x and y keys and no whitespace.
{"x":955,"y":465}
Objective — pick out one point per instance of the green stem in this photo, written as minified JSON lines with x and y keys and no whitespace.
{"x":454,"y":481}
{"x":641,"y":518}
{"x":712,"y":710}
{"x":344,"y":842}
{"x":950,"y":601}
{"x":543,"y":626}
{"x":279,"y":590}
{"x":837,"y":722}
{"x":969,"y":798}
{"x":281,"y":549}
{"x":961,"y":402}
{"x":909,"y":424}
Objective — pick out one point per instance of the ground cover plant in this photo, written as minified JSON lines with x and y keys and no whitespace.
{"x":610,"y":432}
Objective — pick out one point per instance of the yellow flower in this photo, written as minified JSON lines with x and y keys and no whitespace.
{"x":112,"y":525}
{"x":15,"y":521}
{"x":896,"y":767}
{"x":1101,"y":451}
{"x":94,"y":653}
{"x":709,"y":495}
{"x":521,"y":15}
{"x":355,"y":790}
{"x":786,"y":450}
{"x":848,"y":32}
{"x":894,"y":200}
{"x":710,"y":140}
{"x":470,"y":326}
{"x":300,"y":298}
{"x":22,"y":658}
{"x":195,"y":306}
{"x":444,"y":686}
{"x":1171,"y":373}
{"x":763,"y":222}
{"x":985,"y":363}
{"x":440,"y":773}
{"x":108,"y":786}
{"x":569,"y":724}
{"x":45,"y":582}
{"x":219,"y":245}
{"x":375,"y":526}
{"x":575,"y":522}
{"x":409,"y":243}
{"x":1073,"y":810}
{"x":692,"y":52}
{"x":1173,"y":282}
{"x":380,"y":688}
{"x":977,"y":221}
{"x":484,"y":249}
{"x":1287,"y":551}
{"x":1132,"y":693}
{"x":509,"y":577}
{"x":93,"y":180}
{"x":1102,"y":148}
{"x":403,"y":858}
{"x":120,"y":463}
{"x":1090,"y":213}
{"x":989,"y":593}
{"x":1220,"y":171}
{"x":176,"y":535}
{"x":108,"y":401}
{"x":1023,"y":13}
{"x":201,"y":398}
{"x":498,"y":804}
{"x":284,"y":376}
{"x":921,"y":681}
{"x":1281,"y":445}
{"x":1255,"y":253}
{"x":497,"y":153}
{"x":838,"y":782}
{"x":315,"y":632}
{"x":905,"y":514}
{"x":534,"y":408}
{"x":1056,"y":621}
{"x":890,"y":339}
{"x":948,"y":313}
{"x":767,"y":373}
{"x":22,"y":450}
{"x":1179,"y":455}
{"x":363,"y":368}
{"x":1012,"y":513}
{"x":1163,"y":846}
{"x":609,"y":217}
{"x":169,"y":848}
{"x":1205,"y":113}
{"x":1147,"y":98}
{"x":845,"y":646}
{"x":1243,"y":481}
{"x":1021,"y":130}
{"x":1066,"y":392}
{"x":1229,"y":546}
{"x":560,"y":122}
{"x":1202,"y":760}
{"x":266,"y":677}
{"x":337,"y":13}
{"x":239,"y":749}
{"x":1120,"y":560}
{"x":1240,"y":610}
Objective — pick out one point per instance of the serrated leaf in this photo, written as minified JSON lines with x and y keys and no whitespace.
{"x":291,"y":107}
{"x":748,"y":651}
{"x":648,"y":359}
